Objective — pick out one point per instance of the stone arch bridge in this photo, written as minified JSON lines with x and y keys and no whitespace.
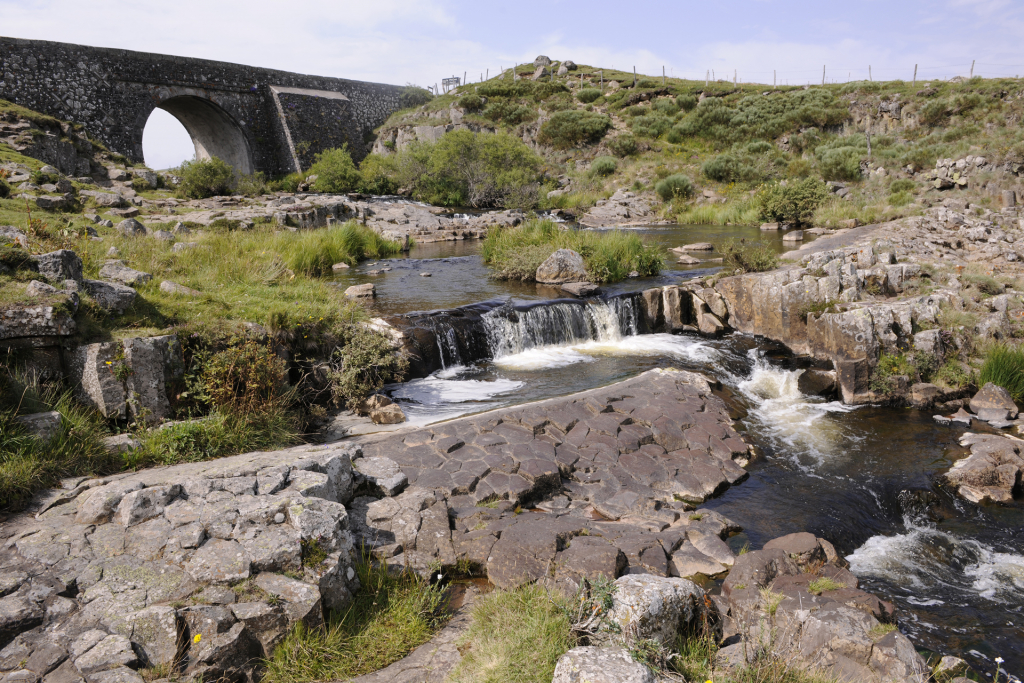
{"x":255,"y":119}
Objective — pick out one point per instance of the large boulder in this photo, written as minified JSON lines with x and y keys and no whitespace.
{"x":117,"y":271}
{"x":655,"y":607}
{"x":60,"y":265}
{"x":591,"y":664}
{"x":565,"y":265}
{"x":110,"y":296}
{"x":993,"y":402}
{"x":992,"y":472}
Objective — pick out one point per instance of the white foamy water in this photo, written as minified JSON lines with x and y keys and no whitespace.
{"x":548,"y":357}
{"x":927,"y":559}
{"x":799,"y":422}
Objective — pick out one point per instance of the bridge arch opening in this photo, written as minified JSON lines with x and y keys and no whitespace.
{"x":213,"y":131}
{"x":165,"y":142}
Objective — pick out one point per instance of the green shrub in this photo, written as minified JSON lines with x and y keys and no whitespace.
{"x":362,"y":365}
{"x":242,"y":379}
{"x":414,"y":96}
{"x":842,"y":163}
{"x":759,"y":147}
{"x":40,"y":178}
{"x":899,"y":199}
{"x":509,"y":113}
{"x":750,"y":257}
{"x":515,"y":253}
{"x":603,"y":166}
{"x":934,"y":112}
{"x":665,"y":106}
{"x":686,"y":102}
{"x":902,"y":185}
{"x":289,"y":183}
{"x":463,"y":168}
{"x":588,"y":95}
{"x":794,"y":202}
{"x":314,"y":252}
{"x":653,"y":125}
{"x":5,"y":189}
{"x":378,"y":174}
{"x":623,"y":145}
{"x":202,"y":178}
{"x":335,"y":171}
{"x":676,"y":186}
{"x":252,"y":184}
{"x":986,"y":284}
{"x":471,"y":102}
{"x":566,"y":129}
{"x":799,"y":168}
{"x":728,"y":168}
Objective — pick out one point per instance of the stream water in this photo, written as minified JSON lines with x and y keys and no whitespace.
{"x":863,"y":478}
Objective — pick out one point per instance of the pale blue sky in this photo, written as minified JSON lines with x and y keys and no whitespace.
{"x":403,"y":41}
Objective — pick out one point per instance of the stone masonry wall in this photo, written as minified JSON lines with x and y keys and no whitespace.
{"x":113,"y":92}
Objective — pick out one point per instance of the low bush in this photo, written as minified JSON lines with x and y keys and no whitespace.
{"x":898,"y":199}
{"x":623,"y":146}
{"x":378,"y":174}
{"x":842,"y":163}
{"x":314,"y":252}
{"x":794,"y":202}
{"x":335,"y":171}
{"x":202,"y":178}
{"x":252,"y":184}
{"x":515,"y":253}
{"x":362,"y":364}
{"x":686,"y":102}
{"x":934,"y":112}
{"x":665,"y":106}
{"x":603,"y":166}
{"x":244,"y":378}
{"x":653,"y":125}
{"x":759,"y":147}
{"x":414,"y":96}
{"x":799,"y":168}
{"x":391,"y":615}
{"x":902,"y":185}
{"x":509,"y":113}
{"x":730,"y":168}
{"x":588,"y":95}
{"x":677,"y":186}
{"x":647,"y":83}
{"x":471,"y":102}
{"x":750,"y":257}
{"x":572,"y":128}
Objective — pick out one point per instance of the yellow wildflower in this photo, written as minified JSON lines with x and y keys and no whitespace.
{"x":197,"y":638}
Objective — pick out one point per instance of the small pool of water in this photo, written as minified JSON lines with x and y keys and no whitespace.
{"x":458,"y":275}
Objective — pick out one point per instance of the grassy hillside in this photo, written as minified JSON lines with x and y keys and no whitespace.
{"x":732,"y":139}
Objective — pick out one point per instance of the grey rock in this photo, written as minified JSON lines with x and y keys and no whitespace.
{"x":169,"y":287}
{"x":590,"y":664}
{"x":43,"y":426}
{"x":110,"y":296}
{"x":163,"y":236}
{"x":383,"y":475}
{"x":111,"y":652}
{"x":655,"y":607}
{"x":581,"y":289}
{"x":85,"y":642}
{"x":91,"y":373}
{"x":156,"y":364}
{"x":118,"y":272}
{"x":10,"y":234}
{"x":155,"y":634}
{"x":542,"y":60}
{"x":139,"y":506}
{"x":387,"y":415}
{"x":121,"y":674}
{"x":219,"y":561}
{"x":60,"y":265}
{"x":97,"y":505}
{"x":183,"y":246}
{"x":366,"y":291}
{"x":40,"y":289}
{"x":995,"y":398}
{"x":564,"y":265}
{"x":130,"y":227}
{"x":18,"y":614}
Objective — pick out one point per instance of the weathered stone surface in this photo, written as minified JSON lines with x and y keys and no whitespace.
{"x":61,"y":265}
{"x":130,"y":227}
{"x":366,"y":291}
{"x":655,"y":607}
{"x":111,"y":652}
{"x":387,"y":415}
{"x":994,"y":398}
{"x":219,"y":561}
{"x":111,"y":296}
{"x":117,"y":271}
{"x":156,"y":634}
{"x":817,"y":382}
{"x":992,"y":472}
{"x":580,"y":289}
{"x":590,"y":664}
{"x":43,"y":426}
{"x":169,"y":287}
{"x":383,"y":475}
{"x":565,"y":265}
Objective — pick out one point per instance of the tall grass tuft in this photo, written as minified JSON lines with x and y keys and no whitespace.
{"x":750,"y":257}
{"x":1004,"y":367}
{"x":313,"y":252}
{"x":610,"y":256}
{"x":391,"y":615}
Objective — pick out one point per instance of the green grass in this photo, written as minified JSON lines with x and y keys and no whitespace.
{"x":820,"y":585}
{"x":516,"y":636}
{"x":313,"y":252}
{"x":515,"y":253}
{"x":391,"y":615}
{"x":1004,"y":367}
{"x":750,"y":257}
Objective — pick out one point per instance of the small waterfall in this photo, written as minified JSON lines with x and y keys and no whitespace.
{"x":447,"y":343}
{"x":510,"y":331}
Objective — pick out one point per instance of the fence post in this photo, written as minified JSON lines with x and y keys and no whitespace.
{"x":602,"y":80}
{"x":707,"y":78}
{"x":823,"y":75}
{"x":634,"y":76}
{"x":734,"y":78}
{"x":463,"y":78}
{"x":869,"y":72}
{"x":663,"y":75}
{"x":972,"y":68}
{"x":915,"y":74}
{"x":775,"y":76}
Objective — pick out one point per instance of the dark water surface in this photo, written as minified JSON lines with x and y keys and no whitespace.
{"x":863,"y":478}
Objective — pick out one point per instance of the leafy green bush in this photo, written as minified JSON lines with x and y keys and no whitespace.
{"x":515,"y":253}
{"x":252,"y":184}
{"x":566,"y":129}
{"x":899,"y":199}
{"x":40,"y":178}
{"x":902,"y":185}
{"x":799,"y":168}
{"x":335,"y":171}
{"x":759,"y":147}
{"x":728,"y":167}
{"x":509,"y":113}
{"x":794,"y":202}
{"x":623,"y":145}
{"x":378,"y":174}
{"x":588,"y":95}
{"x":244,"y":378}
{"x":363,"y":364}
{"x":841,"y":163}
{"x":750,"y":257}
{"x":289,"y":183}
{"x":471,"y":102}
{"x":647,"y":83}
{"x":665,"y":106}
{"x":202,"y":178}
{"x":603,"y":166}
{"x":463,"y":168}
{"x":676,"y":186}
{"x":686,"y":102}
{"x":934,"y":112}
{"x":414,"y":96}
{"x":653,"y":125}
